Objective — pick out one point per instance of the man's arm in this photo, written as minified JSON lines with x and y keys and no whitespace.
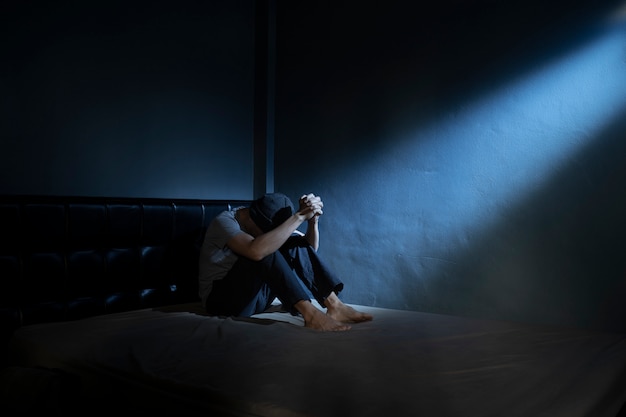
{"x":256,"y":245}
{"x":312,"y":232}
{"x":256,"y":248}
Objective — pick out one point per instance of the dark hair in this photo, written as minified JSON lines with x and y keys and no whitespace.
{"x":271,"y":210}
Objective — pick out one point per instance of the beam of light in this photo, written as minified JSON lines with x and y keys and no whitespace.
{"x":467,"y":170}
{"x":506,"y":145}
{"x":480,"y":159}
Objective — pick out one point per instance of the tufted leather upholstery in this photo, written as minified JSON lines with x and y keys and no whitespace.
{"x":65,"y":258}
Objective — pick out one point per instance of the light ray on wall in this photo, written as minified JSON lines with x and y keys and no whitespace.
{"x":506,"y":145}
{"x":473,"y":167}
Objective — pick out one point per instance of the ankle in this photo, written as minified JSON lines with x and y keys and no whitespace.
{"x":306,"y":309}
{"x":332,"y":300}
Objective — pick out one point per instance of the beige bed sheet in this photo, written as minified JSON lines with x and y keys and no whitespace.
{"x":179,"y":361}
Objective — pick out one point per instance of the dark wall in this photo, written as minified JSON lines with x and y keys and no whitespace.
{"x":470,"y":154}
{"x":127,"y":98}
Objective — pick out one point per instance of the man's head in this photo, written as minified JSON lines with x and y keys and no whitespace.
{"x":271,"y":210}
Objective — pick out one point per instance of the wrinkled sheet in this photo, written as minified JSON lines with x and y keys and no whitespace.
{"x":402,"y":363}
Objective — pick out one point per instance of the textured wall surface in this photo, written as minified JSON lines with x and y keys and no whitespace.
{"x":471,"y":155}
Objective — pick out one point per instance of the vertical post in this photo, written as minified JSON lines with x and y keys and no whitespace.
{"x":264,"y":96}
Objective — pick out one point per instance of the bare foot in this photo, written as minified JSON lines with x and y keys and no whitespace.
{"x":344,"y":313}
{"x":318,"y":320}
{"x":347,"y":314}
{"x":324,"y":322}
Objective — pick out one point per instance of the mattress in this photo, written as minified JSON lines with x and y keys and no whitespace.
{"x":402,"y":363}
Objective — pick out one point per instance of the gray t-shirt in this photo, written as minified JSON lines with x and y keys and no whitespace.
{"x":216,"y":259}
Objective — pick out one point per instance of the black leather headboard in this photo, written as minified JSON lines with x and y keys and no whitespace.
{"x":65,"y":258}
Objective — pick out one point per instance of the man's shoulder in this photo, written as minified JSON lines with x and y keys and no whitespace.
{"x":229,"y":214}
{"x":226,"y":220}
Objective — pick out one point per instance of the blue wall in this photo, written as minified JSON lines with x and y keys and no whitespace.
{"x":471,"y":155}
{"x":127,"y":98}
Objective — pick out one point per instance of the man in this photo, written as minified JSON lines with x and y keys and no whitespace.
{"x":251,"y":255}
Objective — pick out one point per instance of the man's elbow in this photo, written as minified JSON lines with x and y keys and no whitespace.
{"x":255,"y":256}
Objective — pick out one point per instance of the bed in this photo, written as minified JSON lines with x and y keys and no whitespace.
{"x":403,"y":363}
{"x":170,"y":358}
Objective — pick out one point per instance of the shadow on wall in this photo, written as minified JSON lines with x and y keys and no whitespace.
{"x":402,"y":65}
{"x":558,"y":256}
{"x":449,"y":154}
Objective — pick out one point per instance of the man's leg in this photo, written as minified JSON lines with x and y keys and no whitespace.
{"x":323,"y":285}
{"x":241,"y":292}
{"x":310,"y":269}
{"x":250,"y":287}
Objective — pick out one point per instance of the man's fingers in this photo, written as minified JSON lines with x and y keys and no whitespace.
{"x":312,"y":202}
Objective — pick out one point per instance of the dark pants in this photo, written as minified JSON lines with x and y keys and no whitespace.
{"x":293,"y":273}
